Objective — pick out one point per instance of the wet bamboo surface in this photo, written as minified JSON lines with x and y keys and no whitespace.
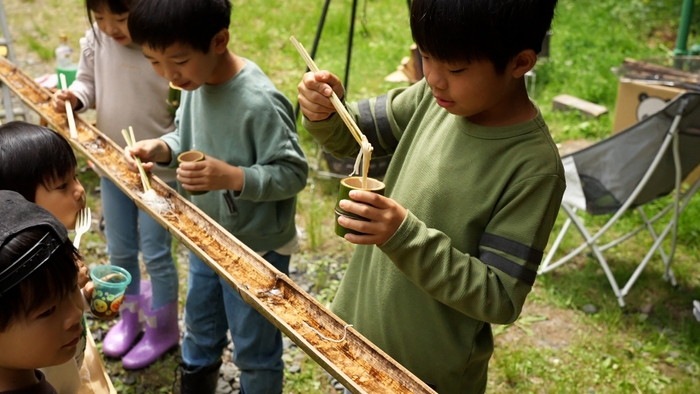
{"x":355,"y":361}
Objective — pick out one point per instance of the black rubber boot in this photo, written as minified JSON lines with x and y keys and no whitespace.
{"x":201,"y":380}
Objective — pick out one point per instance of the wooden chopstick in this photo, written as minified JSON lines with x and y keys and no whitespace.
{"x":365,"y":169}
{"x":69,"y":110}
{"x":339,"y":107}
{"x":130,"y":140}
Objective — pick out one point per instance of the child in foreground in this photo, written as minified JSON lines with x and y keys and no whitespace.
{"x":114,"y":76}
{"x":253,"y":170}
{"x":40,"y":301}
{"x":51,"y":183}
{"x":472,"y":191}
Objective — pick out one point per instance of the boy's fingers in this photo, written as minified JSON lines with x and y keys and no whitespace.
{"x":322,"y":89}
{"x":374,"y":199}
{"x":323,"y":76}
{"x":135,"y":152}
{"x":192,"y":166}
{"x":366,"y":238}
{"x":331,"y":82}
{"x":319,"y":109}
{"x":350,"y":224}
{"x":322,"y":108}
{"x":129,"y":155}
{"x":361,"y":209}
{"x":318,"y":83}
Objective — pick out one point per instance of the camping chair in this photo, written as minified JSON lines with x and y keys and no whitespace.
{"x":640,"y":164}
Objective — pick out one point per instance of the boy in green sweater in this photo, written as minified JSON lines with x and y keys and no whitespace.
{"x":253,"y":170}
{"x":472,"y":191}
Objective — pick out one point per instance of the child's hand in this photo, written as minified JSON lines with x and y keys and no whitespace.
{"x":58,"y":101}
{"x":210,"y":174}
{"x":83,"y":276}
{"x":87,"y":292}
{"x":314,"y":92}
{"x":386,"y":216}
{"x":149,"y":151}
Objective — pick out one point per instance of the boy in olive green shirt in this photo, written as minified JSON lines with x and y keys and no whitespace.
{"x":472,"y":191}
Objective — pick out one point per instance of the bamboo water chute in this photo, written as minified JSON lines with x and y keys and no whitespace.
{"x":357,"y":363}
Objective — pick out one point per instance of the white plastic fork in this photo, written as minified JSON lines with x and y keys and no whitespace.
{"x":82,"y":225}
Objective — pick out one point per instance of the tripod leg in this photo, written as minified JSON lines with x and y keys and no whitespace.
{"x":319,"y":29}
{"x":317,"y":39}
{"x":348,"y":56}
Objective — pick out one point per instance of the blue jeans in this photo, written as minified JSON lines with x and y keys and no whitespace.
{"x":128,"y":230}
{"x":212,"y":307}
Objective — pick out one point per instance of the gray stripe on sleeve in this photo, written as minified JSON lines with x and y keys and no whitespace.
{"x":510,"y":267}
{"x":383,"y":123}
{"x":511,"y":247}
{"x":368,"y":129}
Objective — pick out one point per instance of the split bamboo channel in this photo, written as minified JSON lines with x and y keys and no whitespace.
{"x":355,"y":361}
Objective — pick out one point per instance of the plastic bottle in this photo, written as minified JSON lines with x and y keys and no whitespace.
{"x":64,"y":63}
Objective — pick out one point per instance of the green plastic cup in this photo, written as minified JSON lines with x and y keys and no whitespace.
{"x":110,"y":284}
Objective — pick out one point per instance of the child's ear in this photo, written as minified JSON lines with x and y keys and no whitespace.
{"x":220,"y":41}
{"x":523,"y":62}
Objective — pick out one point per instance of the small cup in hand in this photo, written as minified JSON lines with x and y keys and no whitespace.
{"x":192,"y":156}
{"x":346,"y":185}
{"x":109,"y":283}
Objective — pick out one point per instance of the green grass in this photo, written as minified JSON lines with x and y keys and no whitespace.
{"x":589,"y":38}
{"x":649,"y":347}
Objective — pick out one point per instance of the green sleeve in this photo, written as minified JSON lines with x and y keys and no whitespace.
{"x":464,"y":282}
{"x":382,"y":119}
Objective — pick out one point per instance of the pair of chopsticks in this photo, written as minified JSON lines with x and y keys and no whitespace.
{"x":365,"y":146}
{"x":69,"y":110}
{"x":130,"y":140}
{"x":339,"y":107}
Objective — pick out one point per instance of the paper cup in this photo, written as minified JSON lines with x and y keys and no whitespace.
{"x":346,"y":185}
{"x":110,"y":284}
{"x":192,"y":156}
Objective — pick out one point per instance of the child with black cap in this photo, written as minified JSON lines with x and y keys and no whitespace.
{"x":40,"y":301}
{"x":52,"y":184}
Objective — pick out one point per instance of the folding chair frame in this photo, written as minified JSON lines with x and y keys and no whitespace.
{"x":679,"y":204}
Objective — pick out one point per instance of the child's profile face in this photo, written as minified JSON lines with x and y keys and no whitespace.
{"x":114,"y":25}
{"x":47,"y":336}
{"x":469,"y":89}
{"x":182,"y":65}
{"x":63,"y":197}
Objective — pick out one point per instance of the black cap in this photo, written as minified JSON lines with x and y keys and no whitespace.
{"x":17,"y":215}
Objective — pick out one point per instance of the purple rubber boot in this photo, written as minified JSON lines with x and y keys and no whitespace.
{"x":121,"y":337}
{"x":162,"y":334}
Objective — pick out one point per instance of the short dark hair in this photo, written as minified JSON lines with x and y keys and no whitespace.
{"x":32,"y":155}
{"x":162,"y":23}
{"x":52,"y":280}
{"x":113,"y":6}
{"x":468,"y":30}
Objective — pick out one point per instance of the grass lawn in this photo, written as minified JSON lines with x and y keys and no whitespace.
{"x":651,"y":346}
